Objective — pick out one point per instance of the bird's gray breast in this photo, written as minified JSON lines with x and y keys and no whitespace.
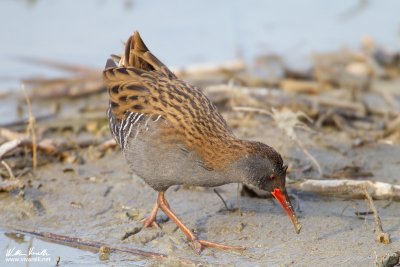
{"x":159,"y":164}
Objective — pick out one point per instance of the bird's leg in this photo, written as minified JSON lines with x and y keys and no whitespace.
{"x":151,"y":220}
{"x":198,"y":244}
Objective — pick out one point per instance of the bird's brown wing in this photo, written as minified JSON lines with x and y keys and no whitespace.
{"x":143,"y":84}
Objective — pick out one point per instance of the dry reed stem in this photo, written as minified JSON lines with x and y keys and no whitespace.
{"x":11,"y":145}
{"x":10,"y":185}
{"x":348,"y":188}
{"x":99,"y":247}
{"x":10,"y":135}
{"x":31,"y":130}
{"x":10,"y":173}
{"x":381,"y":236}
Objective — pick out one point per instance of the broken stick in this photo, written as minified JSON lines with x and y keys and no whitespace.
{"x":347,"y":188}
{"x":101,"y":247}
{"x":10,"y":185}
{"x":381,"y":236}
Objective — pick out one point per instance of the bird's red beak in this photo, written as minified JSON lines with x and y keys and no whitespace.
{"x":284,"y":200}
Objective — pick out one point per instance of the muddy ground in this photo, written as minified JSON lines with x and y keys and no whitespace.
{"x":101,"y":200}
{"x":83,"y":188}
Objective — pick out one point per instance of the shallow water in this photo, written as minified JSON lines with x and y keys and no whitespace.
{"x":15,"y":248}
{"x":183,"y":33}
{"x":11,"y":242}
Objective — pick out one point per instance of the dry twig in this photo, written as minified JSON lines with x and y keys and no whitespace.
{"x":53,"y":146}
{"x":10,"y":185}
{"x":31,"y":130}
{"x":96,"y":246}
{"x":10,"y":135}
{"x":109,"y":144}
{"x":10,"y":173}
{"x":347,"y":188}
{"x":381,"y":236}
{"x":10,"y":146}
{"x":299,"y":86}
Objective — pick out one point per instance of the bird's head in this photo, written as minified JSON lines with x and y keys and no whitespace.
{"x":264,"y":169}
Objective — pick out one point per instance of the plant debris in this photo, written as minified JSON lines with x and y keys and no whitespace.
{"x":336,"y":123}
{"x":381,"y":236}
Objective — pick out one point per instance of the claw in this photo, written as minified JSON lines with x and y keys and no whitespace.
{"x":150,"y":223}
{"x":197,"y":246}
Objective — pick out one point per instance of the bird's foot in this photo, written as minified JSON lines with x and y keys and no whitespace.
{"x":199,"y":245}
{"x":150,"y":222}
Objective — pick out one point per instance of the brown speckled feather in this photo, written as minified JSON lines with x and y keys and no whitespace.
{"x":143,"y":84}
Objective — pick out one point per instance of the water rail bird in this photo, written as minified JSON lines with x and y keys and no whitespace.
{"x":171,"y":134}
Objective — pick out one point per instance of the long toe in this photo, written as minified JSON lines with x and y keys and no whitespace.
{"x":151,"y":225}
{"x":149,"y":222}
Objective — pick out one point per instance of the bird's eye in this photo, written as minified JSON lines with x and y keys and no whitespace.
{"x":272,"y":177}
